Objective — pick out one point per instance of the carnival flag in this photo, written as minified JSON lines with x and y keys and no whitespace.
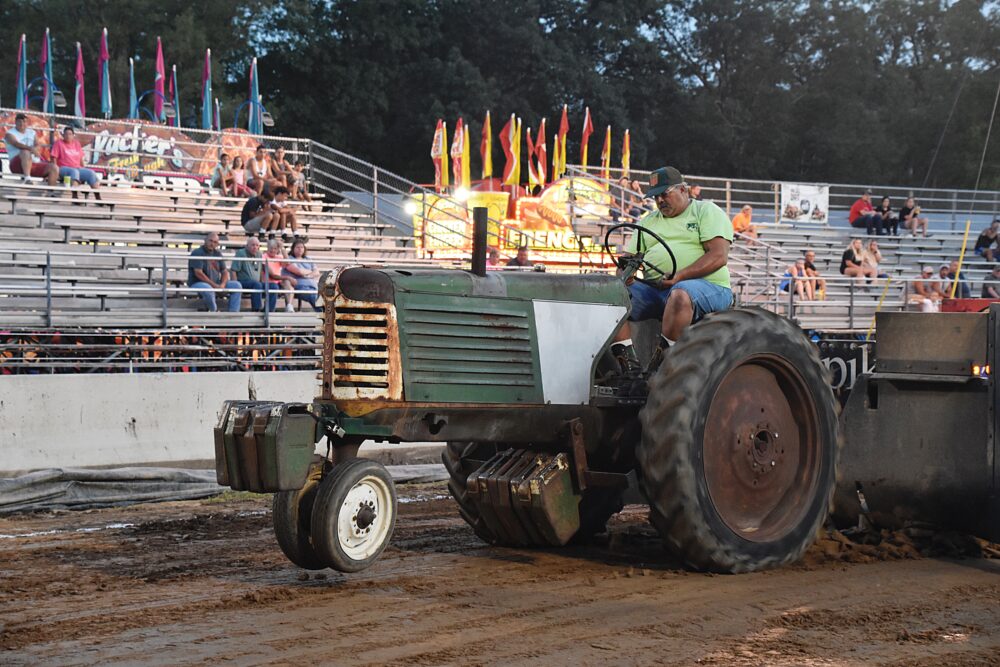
{"x":103,"y":80}
{"x":606,"y":156}
{"x":588,"y":129}
{"x":49,"y":104}
{"x":133,"y":105}
{"x":456,"y":152}
{"x":439,"y":157}
{"x":218,"y":115}
{"x":255,"y":121}
{"x":175,"y":96}
{"x":159,"y":83}
{"x":563,"y":134}
{"x":79,"y":105}
{"x":486,"y":148}
{"x":626,"y":155}
{"x":466,"y":160}
{"x":206,"y":92}
{"x":532,"y":171}
{"x":507,"y":142}
{"x":517,"y":153}
{"x":541,"y":153}
{"x":21,"y":98}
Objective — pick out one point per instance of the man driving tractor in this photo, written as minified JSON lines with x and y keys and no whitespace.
{"x":683,"y":283}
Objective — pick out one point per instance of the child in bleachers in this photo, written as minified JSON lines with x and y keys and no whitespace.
{"x":301,"y":190}
{"x":240,"y":188}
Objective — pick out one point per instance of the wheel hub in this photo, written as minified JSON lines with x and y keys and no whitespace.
{"x":760,"y":449}
{"x":365,"y":517}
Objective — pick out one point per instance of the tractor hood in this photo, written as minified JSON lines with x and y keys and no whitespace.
{"x":379,"y":285}
{"x":440,"y":336}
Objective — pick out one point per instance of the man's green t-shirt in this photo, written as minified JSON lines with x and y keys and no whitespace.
{"x":685,"y":233}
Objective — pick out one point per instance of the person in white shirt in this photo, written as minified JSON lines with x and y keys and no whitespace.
{"x":27,"y":158}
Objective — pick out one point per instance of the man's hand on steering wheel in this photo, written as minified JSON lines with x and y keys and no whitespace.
{"x":629,"y":263}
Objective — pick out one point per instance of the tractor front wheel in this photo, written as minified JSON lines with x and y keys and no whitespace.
{"x":291,"y":515}
{"x":739,"y":443}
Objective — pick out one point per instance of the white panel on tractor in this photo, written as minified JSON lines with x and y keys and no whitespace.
{"x":570,"y":335}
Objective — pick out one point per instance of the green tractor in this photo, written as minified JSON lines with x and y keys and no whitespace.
{"x":734,"y":446}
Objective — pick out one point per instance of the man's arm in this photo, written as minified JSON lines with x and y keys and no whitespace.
{"x":716,"y":256}
{"x":9,"y":139}
{"x":200,"y":275}
{"x":992,"y":292}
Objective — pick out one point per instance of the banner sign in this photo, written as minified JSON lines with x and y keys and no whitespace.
{"x":804,"y":202}
{"x":442,"y":227}
{"x":130,"y":151}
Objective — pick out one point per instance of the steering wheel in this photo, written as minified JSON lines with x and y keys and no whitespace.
{"x":629,"y":265}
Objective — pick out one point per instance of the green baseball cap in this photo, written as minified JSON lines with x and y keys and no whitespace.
{"x":662,"y":179}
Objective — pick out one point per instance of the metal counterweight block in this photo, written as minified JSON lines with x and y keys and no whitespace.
{"x":527,"y":497}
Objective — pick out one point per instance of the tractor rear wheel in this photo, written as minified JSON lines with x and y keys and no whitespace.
{"x":739,"y":443}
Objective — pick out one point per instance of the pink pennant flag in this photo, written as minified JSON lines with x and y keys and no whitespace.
{"x":79,"y":106}
{"x":158,"y":85}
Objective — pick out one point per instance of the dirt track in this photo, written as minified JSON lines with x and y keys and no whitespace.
{"x":202,"y":581}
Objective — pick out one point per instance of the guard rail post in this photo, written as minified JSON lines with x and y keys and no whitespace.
{"x":163,"y":291}
{"x":729,"y":198}
{"x":48,"y":289}
{"x":850,"y":304}
{"x":267,"y":298}
{"x":954,"y":209}
{"x":375,"y":196}
{"x":791,"y":297}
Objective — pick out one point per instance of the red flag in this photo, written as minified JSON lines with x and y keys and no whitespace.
{"x":540,"y":153}
{"x":457,"y":149}
{"x":532,"y":172}
{"x":158,"y":84}
{"x":559,"y":146}
{"x":438,"y":151}
{"x":588,"y":129}
{"x":507,"y":142}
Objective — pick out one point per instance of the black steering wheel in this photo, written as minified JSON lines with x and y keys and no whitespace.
{"x":629,"y":265}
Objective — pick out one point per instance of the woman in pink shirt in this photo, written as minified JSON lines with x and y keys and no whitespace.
{"x":67,"y":154}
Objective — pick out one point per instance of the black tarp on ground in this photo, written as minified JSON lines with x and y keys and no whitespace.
{"x":82,"y":488}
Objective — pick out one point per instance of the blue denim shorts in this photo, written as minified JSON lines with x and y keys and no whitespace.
{"x":648,"y":302}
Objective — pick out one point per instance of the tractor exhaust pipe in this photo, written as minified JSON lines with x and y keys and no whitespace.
{"x":479,"y":245}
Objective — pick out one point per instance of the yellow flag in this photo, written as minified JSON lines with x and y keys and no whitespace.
{"x":516,"y":147}
{"x":466,"y":153}
{"x":486,"y":148}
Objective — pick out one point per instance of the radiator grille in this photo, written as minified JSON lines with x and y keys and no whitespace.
{"x":360,"y":350}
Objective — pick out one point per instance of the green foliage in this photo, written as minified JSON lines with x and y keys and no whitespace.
{"x":824,"y":90}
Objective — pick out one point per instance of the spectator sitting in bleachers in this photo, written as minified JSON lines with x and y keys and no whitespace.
{"x":301,"y":189}
{"x":259,"y":172}
{"x":984,"y":244}
{"x":521,"y":259}
{"x":249,"y":274}
{"x":282,"y":171}
{"x":872,"y":257}
{"x":963,"y":291}
{"x":890,"y":221}
{"x":927,"y":292}
{"x":239,"y":172}
{"x":286,"y":215}
{"x":819,"y":285}
{"x":991,"y":285}
{"x":274,"y":269}
{"x":258,"y":217}
{"x":67,"y":155}
{"x":910,"y":218}
{"x":637,"y":208}
{"x":742,"y":222}
{"x":863,"y":216}
{"x":302,"y":273}
{"x":851,"y":262}
{"x":492,"y":259}
{"x":27,"y":159}
{"x":222,"y":177}
{"x":797,"y":273}
{"x":207,"y":272}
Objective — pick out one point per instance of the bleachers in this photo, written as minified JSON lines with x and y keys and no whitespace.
{"x":121,"y":261}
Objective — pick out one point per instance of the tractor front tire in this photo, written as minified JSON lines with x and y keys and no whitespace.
{"x":291,"y":515}
{"x":739,"y":444}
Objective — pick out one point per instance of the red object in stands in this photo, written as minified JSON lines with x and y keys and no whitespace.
{"x":966,"y":305}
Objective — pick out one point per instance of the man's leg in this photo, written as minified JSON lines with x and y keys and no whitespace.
{"x":234,"y":296}
{"x":255,"y":296}
{"x":207,"y":295}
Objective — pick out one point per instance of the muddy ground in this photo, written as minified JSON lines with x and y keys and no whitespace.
{"x":203,"y":582}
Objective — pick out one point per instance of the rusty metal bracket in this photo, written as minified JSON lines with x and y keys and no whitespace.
{"x":575,"y":428}
{"x":583,"y":476}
